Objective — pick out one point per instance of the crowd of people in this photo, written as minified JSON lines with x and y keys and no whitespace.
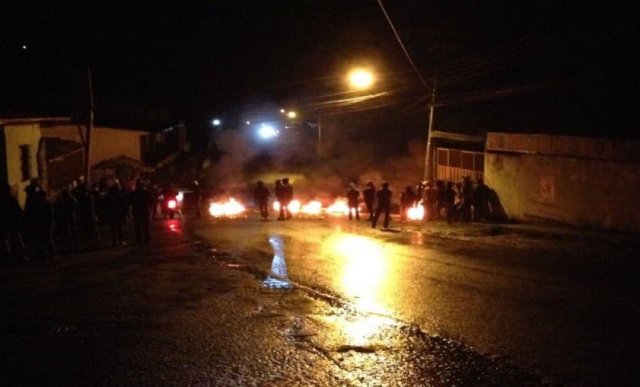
{"x":284,"y":195}
{"x":463,"y":201}
{"x":71,"y":218}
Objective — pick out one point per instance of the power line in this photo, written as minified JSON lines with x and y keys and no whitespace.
{"x":406,"y":53}
{"x":490,"y":94}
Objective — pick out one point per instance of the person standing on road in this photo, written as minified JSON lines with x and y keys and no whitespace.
{"x":117,"y":208}
{"x":407,"y":200}
{"x":87,"y":214}
{"x":42,"y":227}
{"x":481,"y":201}
{"x":369,"y":194}
{"x":430,"y":201}
{"x":197,"y":197}
{"x":12,"y":248}
{"x":141,"y":202}
{"x":280,"y":196}
{"x":261,"y":198}
{"x":449,"y":198}
{"x":288,"y":197}
{"x":467,"y":199}
{"x":384,"y":204}
{"x":352,"y":201}
{"x":67,"y":208}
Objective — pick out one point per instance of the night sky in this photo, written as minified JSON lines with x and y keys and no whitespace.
{"x":532,"y":66}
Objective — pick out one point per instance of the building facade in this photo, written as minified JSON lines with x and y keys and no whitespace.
{"x":23,"y":153}
{"x":581,"y":181}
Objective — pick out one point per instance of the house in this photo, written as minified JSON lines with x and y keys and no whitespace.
{"x":23,"y":152}
{"x":151,"y":148}
{"x":582,"y":181}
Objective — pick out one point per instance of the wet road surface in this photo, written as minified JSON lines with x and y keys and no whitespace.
{"x":563,"y":309}
{"x":366,"y":308}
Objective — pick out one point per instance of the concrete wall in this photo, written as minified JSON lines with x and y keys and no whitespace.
{"x":106,"y":143}
{"x":575,"y":180}
{"x":15,"y":136}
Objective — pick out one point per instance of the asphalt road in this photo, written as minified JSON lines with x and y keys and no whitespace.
{"x":439,"y":305}
{"x":563,"y":307}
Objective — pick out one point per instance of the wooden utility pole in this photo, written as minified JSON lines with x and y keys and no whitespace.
{"x":428,"y":167}
{"x":319,"y":136}
{"x":87,"y":150}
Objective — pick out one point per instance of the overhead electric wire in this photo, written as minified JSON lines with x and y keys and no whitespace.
{"x":495,"y":66}
{"x":509,"y":47}
{"x":404,"y":49}
{"x":507,"y":55}
{"x":490,"y":94}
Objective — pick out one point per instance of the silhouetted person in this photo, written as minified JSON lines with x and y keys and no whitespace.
{"x":155,"y":192}
{"x":141,"y":202}
{"x":261,"y":198}
{"x":441,"y":202}
{"x":481,"y":201}
{"x":197,"y":197}
{"x":449,"y":198}
{"x":280,"y":196}
{"x":116,"y":209}
{"x":430,"y":201}
{"x":369,"y":195}
{"x":41,"y":219}
{"x":352,"y":201}
{"x":288,"y":197}
{"x":407,"y":200}
{"x":86,"y":213}
{"x":384,"y":205}
{"x":30,"y":190}
{"x":467,"y":199}
{"x":11,"y":219}
{"x":67,"y":207}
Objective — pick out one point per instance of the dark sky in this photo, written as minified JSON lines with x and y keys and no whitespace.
{"x":562,"y":66}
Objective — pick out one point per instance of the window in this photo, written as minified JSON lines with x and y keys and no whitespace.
{"x":467,"y":160}
{"x":454,"y":158}
{"x":443,"y":157}
{"x":25,"y":162}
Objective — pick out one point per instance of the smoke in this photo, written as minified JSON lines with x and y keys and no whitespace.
{"x":355,"y":150}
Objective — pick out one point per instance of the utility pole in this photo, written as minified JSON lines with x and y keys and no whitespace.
{"x":87,"y":151}
{"x":319,"y":136}
{"x":428,"y":168}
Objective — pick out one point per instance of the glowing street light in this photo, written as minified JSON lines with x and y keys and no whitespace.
{"x":267,"y":132}
{"x":361,"y":79}
{"x":215,"y":122}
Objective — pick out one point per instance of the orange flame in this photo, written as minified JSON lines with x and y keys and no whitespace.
{"x":314,"y":207}
{"x":415,"y":213}
{"x":229,"y":208}
{"x":339,"y":207}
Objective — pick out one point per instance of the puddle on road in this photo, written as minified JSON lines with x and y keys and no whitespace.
{"x":278,"y":277}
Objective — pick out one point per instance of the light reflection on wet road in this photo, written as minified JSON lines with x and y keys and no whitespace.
{"x":499,"y":301}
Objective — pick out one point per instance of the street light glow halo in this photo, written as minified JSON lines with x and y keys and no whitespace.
{"x":361,"y":78}
{"x":267,"y":131}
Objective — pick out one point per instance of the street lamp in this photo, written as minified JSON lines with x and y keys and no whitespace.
{"x":267,"y":132}
{"x":360,"y":78}
{"x":215,"y":122}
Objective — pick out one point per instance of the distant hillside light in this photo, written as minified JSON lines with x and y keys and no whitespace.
{"x":292,"y":114}
{"x":361,"y":79}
